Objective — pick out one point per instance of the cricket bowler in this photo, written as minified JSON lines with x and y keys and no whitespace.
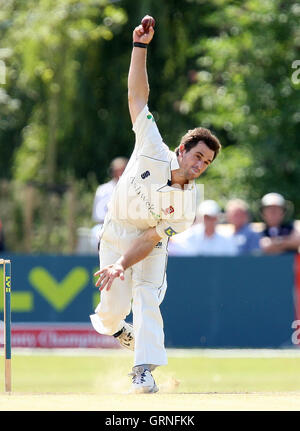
{"x":154,"y":199}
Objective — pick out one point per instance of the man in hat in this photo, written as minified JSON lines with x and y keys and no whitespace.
{"x":278,"y":236}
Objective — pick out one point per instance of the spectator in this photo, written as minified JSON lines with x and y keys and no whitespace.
{"x":2,"y":247}
{"x":104,"y":191}
{"x":103,"y":195}
{"x":246,"y":239}
{"x":202,"y":238}
{"x":278,"y":236}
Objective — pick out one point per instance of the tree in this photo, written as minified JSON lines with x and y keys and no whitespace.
{"x":245,"y":92}
{"x":54,"y":44}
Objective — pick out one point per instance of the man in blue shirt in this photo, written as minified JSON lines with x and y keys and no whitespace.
{"x":247,"y":240}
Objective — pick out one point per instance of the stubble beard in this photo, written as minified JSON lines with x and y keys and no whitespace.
{"x":191,"y":175}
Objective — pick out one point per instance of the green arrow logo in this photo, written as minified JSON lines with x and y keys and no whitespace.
{"x":59,"y":294}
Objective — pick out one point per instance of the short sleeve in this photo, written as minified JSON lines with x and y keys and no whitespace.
{"x":167,"y":228}
{"x":148,"y":140}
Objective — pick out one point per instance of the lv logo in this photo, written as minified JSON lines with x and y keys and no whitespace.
{"x":59,"y":294}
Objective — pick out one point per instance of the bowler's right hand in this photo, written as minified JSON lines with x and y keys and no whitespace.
{"x":108,"y":274}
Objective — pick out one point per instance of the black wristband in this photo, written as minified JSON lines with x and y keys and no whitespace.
{"x":140,"y":44}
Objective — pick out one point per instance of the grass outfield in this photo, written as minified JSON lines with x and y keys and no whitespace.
{"x":190,"y":381}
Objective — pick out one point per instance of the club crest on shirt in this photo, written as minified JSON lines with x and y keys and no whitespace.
{"x":170,"y":232}
{"x":169,"y":210}
{"x":150,"y":117}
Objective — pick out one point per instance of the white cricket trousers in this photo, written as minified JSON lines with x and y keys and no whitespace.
{"x":142,"y":290}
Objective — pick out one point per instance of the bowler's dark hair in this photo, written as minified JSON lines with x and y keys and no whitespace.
{"x":194,"y":136}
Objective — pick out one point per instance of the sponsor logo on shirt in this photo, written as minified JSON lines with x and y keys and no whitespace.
{"x":170,"y":232}
{"x":159,"y":245}
{"x":169,"y":210}
{"x":138,"y":189}
{"x":145,"y":174}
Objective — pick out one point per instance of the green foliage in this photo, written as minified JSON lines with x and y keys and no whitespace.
{"x":245,"y":92}
{"x":29,"y":158}
{"x":223,"y":64}
{"x":55,"y":46}
{"x":228,"y":176}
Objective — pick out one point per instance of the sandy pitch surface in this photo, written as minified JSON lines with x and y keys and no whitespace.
{"x":151,"y":402}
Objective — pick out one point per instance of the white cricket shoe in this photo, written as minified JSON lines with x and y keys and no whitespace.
{"x":126,"y":336}
{"x":142,"y":381}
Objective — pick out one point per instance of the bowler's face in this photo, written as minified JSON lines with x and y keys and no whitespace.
{"x":196,"y":161}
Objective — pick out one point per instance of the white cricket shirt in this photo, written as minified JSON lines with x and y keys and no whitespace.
{"x":144,"y":196}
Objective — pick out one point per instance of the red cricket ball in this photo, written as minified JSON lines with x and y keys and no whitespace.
{"x":147,"y":22}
